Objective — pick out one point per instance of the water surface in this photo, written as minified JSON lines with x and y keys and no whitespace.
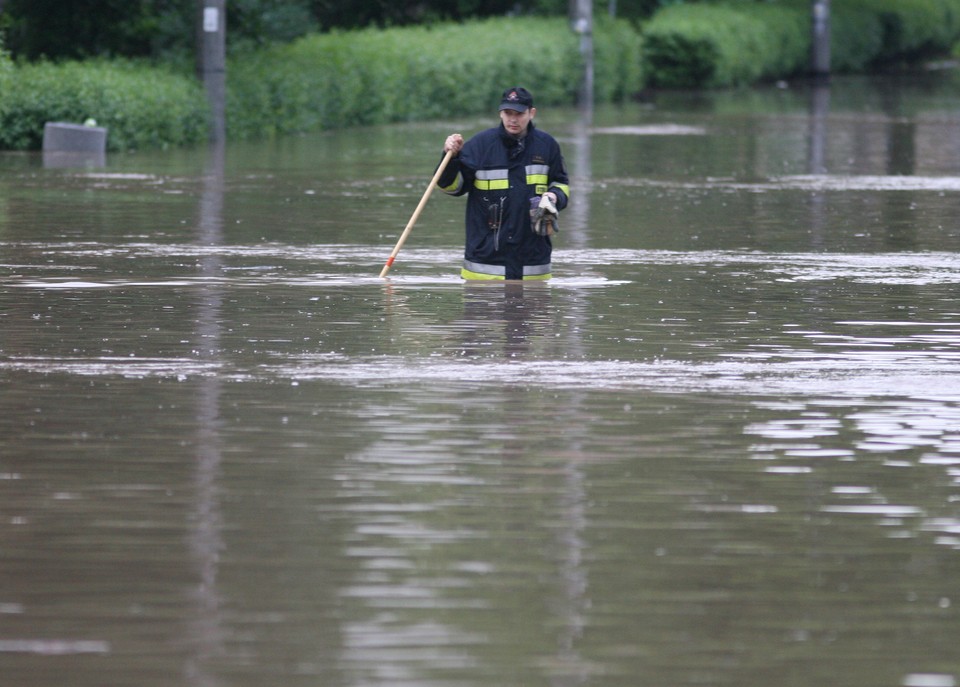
{"x":720,"y":447}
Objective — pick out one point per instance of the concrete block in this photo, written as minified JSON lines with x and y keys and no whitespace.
{"x":74,"y":145}
{"x":74,"y":138}
{"x":58,"y":159}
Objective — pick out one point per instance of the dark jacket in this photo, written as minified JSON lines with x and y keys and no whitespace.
{"x":501,"y":174}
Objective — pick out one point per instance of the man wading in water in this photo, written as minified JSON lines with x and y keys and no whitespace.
{"x":516,"y":183}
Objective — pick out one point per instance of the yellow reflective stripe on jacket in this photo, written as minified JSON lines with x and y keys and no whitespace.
{"x":537,"y":175}
{"x":498,"y":180}
{"x":477,"y":276}
{"x":482,"y":271}
{"x":454,"y":187}
{"x":492,"y":179}
{"x":563,"y":187}
{"x":470,"y":275}
{"x":478,"y":271}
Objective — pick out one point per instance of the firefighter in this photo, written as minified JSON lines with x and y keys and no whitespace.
{"x":516,"y":183}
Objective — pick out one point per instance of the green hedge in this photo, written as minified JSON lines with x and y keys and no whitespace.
{"x":6,"y":71}
{"x":377,"y":76}
{"x":871,"y":32}
{"x":693,"y":45}
{"x":338,"y":79}
{"x":912,"y":28}
{"x":618,"y":60}
{"x":324,"y":81}
{"x":741,"y":42}
{"x":142,"y":106}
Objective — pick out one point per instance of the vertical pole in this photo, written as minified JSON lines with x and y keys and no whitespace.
{"x":582,"y":11}
{"x":212,"y":62}
{"x":820,"y":57}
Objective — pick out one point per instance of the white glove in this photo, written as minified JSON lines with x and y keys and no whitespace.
{"x":543,"y":218}
{"x":547,"y":203}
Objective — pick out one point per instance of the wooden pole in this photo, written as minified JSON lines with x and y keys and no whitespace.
{"x":416,"y":213}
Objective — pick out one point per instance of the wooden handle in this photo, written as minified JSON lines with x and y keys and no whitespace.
{"x":416,"y":213}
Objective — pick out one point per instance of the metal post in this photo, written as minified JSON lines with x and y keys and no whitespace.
{"x":820,"y":56}
{"x":582,"y":11}
{"x":212,"y":61}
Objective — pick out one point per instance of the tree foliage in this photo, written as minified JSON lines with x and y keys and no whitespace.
{"x":83,"y":28}
{"x":142,"y":106}
{"x":159,"y":29}
{"x":337,"y":14}
{"x":76,"y":29}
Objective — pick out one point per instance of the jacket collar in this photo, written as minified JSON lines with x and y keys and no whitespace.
{"x":515,"y":144}
{"x":509,"y":138}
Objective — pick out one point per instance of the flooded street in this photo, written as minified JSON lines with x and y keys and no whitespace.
{"x":720,"y":447}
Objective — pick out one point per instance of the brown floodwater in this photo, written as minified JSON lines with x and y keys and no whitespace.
{"x":720,"y":447}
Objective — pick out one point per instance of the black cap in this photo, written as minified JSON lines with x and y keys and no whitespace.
{"x":518,"y":99}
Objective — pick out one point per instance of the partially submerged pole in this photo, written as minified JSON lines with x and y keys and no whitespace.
{"x":582,"y":20}
{"x":212,"y":62}
{"x":820,"y":52}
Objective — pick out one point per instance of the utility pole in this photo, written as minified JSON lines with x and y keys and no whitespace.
{"x":582,"y":20}
{"x":212,"y":62}
{"x":820,"y":54}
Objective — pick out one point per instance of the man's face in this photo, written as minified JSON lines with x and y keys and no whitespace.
{"x":516,"y":122}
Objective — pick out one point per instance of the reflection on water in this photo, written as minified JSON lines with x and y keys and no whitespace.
{"x":205,"y":631}
{"x":720,"y":447}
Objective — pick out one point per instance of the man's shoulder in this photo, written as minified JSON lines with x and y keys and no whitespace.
{"x":545,"y":137}
{"x":478,"y":149}
{"x":484,"y":136}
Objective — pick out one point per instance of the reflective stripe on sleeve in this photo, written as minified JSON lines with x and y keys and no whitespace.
{"x":454,"y":187}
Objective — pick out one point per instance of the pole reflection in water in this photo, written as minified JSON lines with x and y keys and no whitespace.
{"x":575,"y":600}
{"x":206,"y":534}
{"x":817,"y":154}
{"x":575,"y":218}
{"x":819,"y":126}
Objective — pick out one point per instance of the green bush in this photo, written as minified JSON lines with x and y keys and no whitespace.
{"x":912,"y":28}
{"x":866,"y":33}
{"x":724,"y":45}
{"x":323,"y":82}
{"x":856,"y":40}
{"x":741,"y":42}
{"x":141,"y":106}
{"x":377,"y":76}
{"x":6,"y":70}
{"x":618,"y":60}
